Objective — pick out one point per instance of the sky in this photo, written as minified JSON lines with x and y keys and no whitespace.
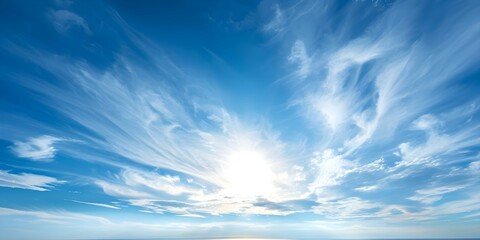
{"x":267,"y":119}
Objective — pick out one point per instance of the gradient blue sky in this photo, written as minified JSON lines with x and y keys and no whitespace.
{"x":298,"y":119}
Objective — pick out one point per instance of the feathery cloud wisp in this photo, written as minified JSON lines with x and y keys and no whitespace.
{"x":63,"y":20}
{"x":28,"y":181}
{"x":37,"y":149}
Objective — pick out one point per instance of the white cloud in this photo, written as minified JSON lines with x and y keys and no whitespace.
{"x":298,"y":173}
{"x":339,"y":101}
{"x":28,"y":181}
{"x":97,"y":204}
{"x":435,"y":146}
{"x":162,"y":183}
{"x":464,"y":205}
{"x":377,"y":165}
{"x":431,"y":195}
{"x":426,"y":122}
{"x":63,"y":20}
{"x":121,"y":190}
{"x":329,"y":170}
{"x":277,"y":22}
{"x":352,"y":207}
{"x":367,"y":188}
{"x":160,"y":207}
{"x":474,"y":166}
{"x":37,"y":149}
{"x":58,"y":217}
{"x":216,"y":205}
{"x":300,"y":56}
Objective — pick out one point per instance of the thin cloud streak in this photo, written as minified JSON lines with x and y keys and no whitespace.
{"x":97,"y":204}
{"x":28,"y":181}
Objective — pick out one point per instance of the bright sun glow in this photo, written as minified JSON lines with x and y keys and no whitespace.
{"x":248,"y":174}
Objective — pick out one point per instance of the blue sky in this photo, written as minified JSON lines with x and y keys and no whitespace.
{"x":297,"y":119}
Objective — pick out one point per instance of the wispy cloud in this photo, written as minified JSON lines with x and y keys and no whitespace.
{"x":431,"y":195}
{"x":367,"y":188}
{"x":28,"y":181}
{"x":331,"y":169}
{"x":97,"y":204}
{"x":277,"y":21}
{"x":353,"y":207}
{"x":37,"y":149}
{"x":437,"y":144}
{"x":121,"y":191}
{"x":58,"y":217}
{"x":299,"y":55}
{"x":63,"y":20}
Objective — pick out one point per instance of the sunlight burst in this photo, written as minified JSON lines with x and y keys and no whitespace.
{"x":248,"y":175}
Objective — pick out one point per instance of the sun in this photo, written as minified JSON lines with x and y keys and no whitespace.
{"x":248,"y":175}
